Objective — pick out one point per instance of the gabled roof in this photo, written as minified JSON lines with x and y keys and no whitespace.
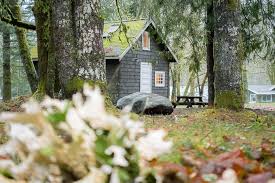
{"x":115,"y":42}
{"x":262,"y":89}
{"x":116,"y":46}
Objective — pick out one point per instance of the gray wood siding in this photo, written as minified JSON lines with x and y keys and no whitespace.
{"x":130,"y":69}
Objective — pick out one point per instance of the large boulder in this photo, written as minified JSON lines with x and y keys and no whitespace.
{"x":146,"y":103}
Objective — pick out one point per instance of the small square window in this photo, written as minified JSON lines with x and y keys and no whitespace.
{"x":159,"y":78}
{"x":145,"y":41}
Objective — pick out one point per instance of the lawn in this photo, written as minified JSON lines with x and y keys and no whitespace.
{"x":215,"y":130}
{"x":207,"y":143}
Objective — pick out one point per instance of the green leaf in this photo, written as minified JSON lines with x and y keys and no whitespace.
{"x":47,"y":151}
{"x":57,"y":117}
{"x":123,"y":176}
{"x":101,"y":145}
{"x":6,"y":173}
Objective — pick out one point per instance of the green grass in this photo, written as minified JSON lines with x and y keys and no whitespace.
{"x":218,"y":130}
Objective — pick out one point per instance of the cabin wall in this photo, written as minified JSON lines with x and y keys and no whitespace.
{"x":130,"y":69}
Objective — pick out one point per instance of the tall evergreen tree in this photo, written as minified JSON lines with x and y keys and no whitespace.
{"x":228,"y":55}
{"x":78,"y":43}
{"x":6,"y":64}
{"x":24,"y":47}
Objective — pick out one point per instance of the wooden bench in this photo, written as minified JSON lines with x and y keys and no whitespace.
{"x":189,"y":101}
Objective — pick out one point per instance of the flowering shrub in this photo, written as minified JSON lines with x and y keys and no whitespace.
{"x":77,"y":141}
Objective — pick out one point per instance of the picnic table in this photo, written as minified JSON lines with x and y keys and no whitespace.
{"x":189,"y":101}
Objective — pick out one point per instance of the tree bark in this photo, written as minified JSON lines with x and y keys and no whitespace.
{"x":174,"y":85}
{"x":6,"y":64}
{"x":176,"y":77}
{"x":24,"y":48}
{"x":89,"y":24}
{"x":203,"y":84}
{"x":42,"y":21}
{"x":78,"y":43}
{"x":210,"y":53}
{"x":228,"y":55}
{"x":64,"y":41}
{"x":186,"y":90}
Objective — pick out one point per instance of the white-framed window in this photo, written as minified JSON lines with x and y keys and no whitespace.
{"x":145,"y":41}
{"x":253,"y":98}
{"x":266,"y":98}
{"x":159,"y":79}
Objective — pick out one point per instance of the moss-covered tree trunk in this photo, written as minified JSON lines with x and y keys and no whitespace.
{"x":6,"y":64}
{"x":228,"y":55}
{"x":42,"y":20}
{"x":210,"y":56}
{"x":78,"y":30}
{"x":24,"y":48}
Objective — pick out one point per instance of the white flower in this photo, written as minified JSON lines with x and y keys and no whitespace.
{"x":80,"y":128}
{"x":93,"y":107}
{"x":31,"y":107}
{"x":152,"y":145}
{"x":77,"y":100}
{"x":119,"y":153}
{"x":49,"y":103}
{"x":106,"y":169}
{"x":228,"y":176}
{"x":25,"y":135}
{"x":134,"y":128}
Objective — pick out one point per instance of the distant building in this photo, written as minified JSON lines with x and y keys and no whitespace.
{"x":138,"y":62}
{"x":261,"y":93}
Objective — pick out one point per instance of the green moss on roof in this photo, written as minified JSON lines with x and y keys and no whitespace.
{"x":117,"y":43}
{"x":118,"y":39}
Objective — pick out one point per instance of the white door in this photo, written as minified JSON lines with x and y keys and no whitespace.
{"x":145,"y":77}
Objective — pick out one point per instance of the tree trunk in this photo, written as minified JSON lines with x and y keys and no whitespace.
{"x":42,"y":29}
{"x":176,"y":77}
{"x":271,"y":72}
{"x":24,"y":48}
{"x":203,"y":84}
{"x":228,"y":55}
{"x":174,"y":85}
{"x":186,"y":90}
{"x":64,"y":41}
{"x":78,"y":44}
{"x":210,"y":54}
{"x":192,"y":85}
{"x":6,"y":64}
{"x":89,"y":31}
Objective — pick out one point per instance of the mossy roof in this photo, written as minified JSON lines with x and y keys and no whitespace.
{"x":116,"y":43}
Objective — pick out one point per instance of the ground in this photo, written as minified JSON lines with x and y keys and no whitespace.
{"x":220,"y":130}
{"x":207,"y":141}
